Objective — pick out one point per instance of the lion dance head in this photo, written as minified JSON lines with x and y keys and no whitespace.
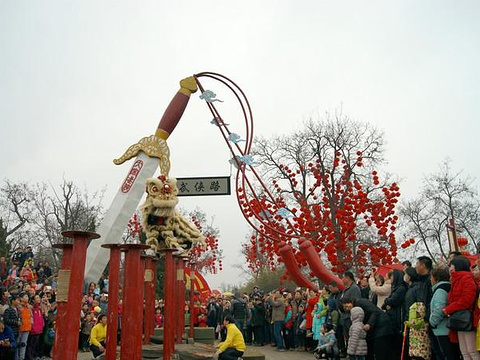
{"x":164,"y":226}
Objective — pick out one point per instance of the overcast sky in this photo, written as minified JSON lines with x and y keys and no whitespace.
{"x":80,"y":81}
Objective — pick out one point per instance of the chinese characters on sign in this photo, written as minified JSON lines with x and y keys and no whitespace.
{"x":204,"y":186}
{"x":132,"y":176}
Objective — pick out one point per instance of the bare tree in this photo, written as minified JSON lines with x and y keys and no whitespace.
{"x":63,"y":209}
{"x":37,"y":214}
{"x":326,"y":172}
{"x":14,"y":214}
{"x":445,"y":195}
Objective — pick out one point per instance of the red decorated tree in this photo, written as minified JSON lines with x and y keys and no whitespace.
{"x":257,"y":258}
{"x":206,"y":258}
{"x":324,"y":183}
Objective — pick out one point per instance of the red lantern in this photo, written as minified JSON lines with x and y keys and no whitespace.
{"x":462,"y":241}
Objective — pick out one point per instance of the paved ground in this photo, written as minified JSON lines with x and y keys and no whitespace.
{"x":272,"y":354}
{"x":269,"y":352}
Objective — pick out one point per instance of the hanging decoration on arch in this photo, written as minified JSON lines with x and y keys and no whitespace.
{"x":199,"y":283}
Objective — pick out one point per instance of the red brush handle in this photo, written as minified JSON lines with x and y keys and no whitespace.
{"x":316,"y":264}
{"x":175,"y":109}
{"x":294,"y":272}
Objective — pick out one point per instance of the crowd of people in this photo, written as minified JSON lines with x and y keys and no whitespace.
{"x":419,"y":312}
{"x":27,"y":307}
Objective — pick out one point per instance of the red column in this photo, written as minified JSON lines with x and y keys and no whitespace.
{"x":180,"y":297}
{"x":191,"y":331}
{"x":169,"y":291}
{"x":142,"y":285}
{"x":184,"y":291}
{"x":67,"y":340}
{"x":150,"y":286}
{"x":132,"y":316}
{"x":113,"y":287}
{"x":178,"y":308}
{"x":67,"y":250}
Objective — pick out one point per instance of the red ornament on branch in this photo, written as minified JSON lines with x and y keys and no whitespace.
{"x":462,"y":241}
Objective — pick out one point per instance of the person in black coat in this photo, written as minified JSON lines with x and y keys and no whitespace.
{"x":424,"y":267}
{"x":11,"y":316}
{"x":394,"y":305}
{"x":212,"y":311}
{"x":258,"y":318}
{"x":239,"y":312}
{"x":220,"y":317}
{"x":47,"y":270}
{"x":378,"y":327}
{"x":226,"y":311}
{"x":413,"y":282}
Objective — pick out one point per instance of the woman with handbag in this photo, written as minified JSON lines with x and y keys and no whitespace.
{"x":442,"y":348}
{"x":461,"y":301}
{"x":394,"y":306}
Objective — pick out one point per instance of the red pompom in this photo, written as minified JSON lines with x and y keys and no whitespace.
{"x":462,"y":241}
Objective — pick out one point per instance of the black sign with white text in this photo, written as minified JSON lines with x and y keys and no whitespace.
{"x":204,"y":186}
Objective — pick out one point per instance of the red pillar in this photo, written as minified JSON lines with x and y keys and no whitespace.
{"x":132,"y":317}
{"x":68,"y":339}
{"x":169,"y":291}
{"x":180,"y":295}
{"x":113,"y":287}
{"x":67,"y":250}
{"x":150,"y":286}
{"x":178,"y":308}
{"x":183,"y":291}
{"x":191,"y":331}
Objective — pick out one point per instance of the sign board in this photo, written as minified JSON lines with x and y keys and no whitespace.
{"x":180,"y":275}
{"x":204,"y":186}
{"x":63,"y":285}
{"x":148,"y":275}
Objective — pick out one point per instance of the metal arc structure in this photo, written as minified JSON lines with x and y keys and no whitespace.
{"x":254,"y":198}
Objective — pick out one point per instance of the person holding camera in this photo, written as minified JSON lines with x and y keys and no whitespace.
{"x":278,"y":317}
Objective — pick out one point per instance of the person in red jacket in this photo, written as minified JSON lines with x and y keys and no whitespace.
{"x":311,"y":301}
{"x":37,"y":328}
{"x":158,"y":318}
{"x":288,"y":326}
{"x":462,"y":296}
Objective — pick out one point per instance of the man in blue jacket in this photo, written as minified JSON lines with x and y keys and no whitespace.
{"x":7,"y":342}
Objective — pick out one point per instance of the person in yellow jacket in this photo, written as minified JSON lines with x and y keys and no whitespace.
{"x":98,"y":336}
{"x":234,"y":345}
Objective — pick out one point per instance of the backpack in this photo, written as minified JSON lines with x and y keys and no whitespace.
{"x":329,"y":319}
